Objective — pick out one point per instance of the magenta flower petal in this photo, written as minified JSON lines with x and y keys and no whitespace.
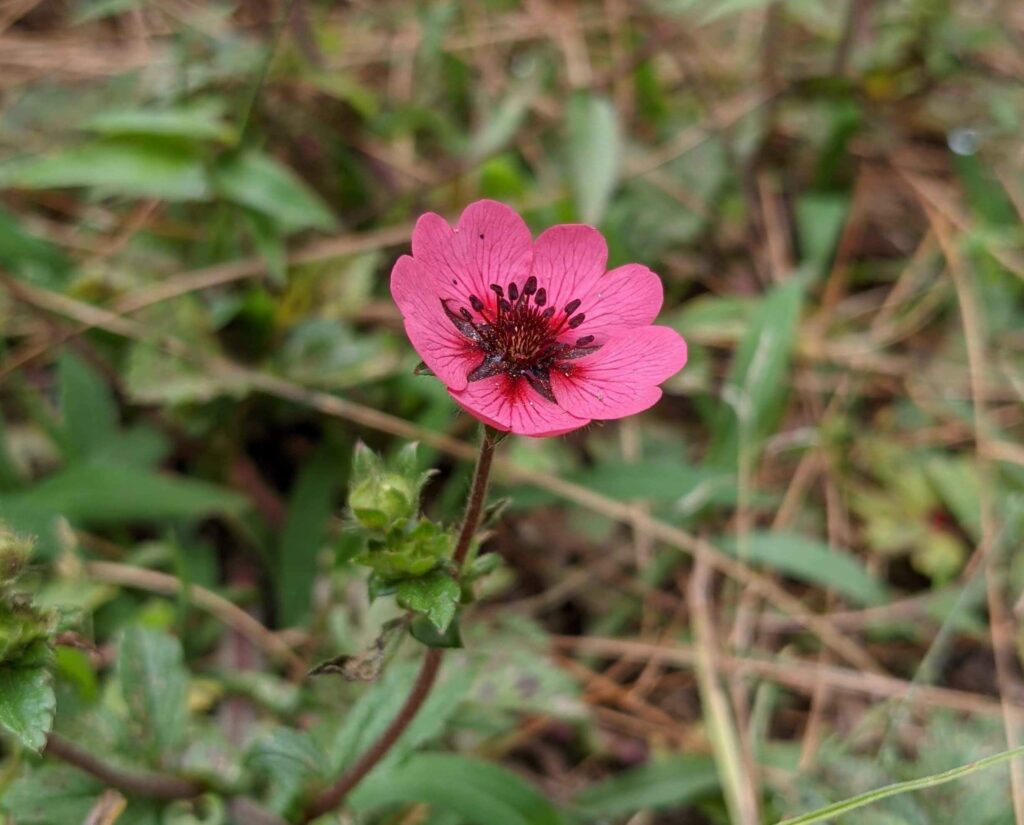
{"x":628,"y":296}
{"x":490,"y":245}
{"x":439,"y":344}
{"x":622,"y":377}
{"x":533,"y":338}
{"x":569,"y":261}
{"x":511,"y":405}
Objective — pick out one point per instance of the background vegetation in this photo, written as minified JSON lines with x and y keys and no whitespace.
{"x":794,"y":580}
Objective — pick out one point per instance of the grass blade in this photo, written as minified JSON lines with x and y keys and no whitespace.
{"x":867,"y":798}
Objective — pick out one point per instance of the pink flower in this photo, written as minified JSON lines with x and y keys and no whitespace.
{"x":533,"y":337}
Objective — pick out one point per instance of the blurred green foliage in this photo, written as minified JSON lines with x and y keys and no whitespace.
{"x":230,"y":184}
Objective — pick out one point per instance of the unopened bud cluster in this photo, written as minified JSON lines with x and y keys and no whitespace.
{"x":384,"y":498}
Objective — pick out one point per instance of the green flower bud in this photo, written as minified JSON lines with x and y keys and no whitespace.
{"x":381,"y":495}
{"x":14,"y":553}
{"x":408,"y":555}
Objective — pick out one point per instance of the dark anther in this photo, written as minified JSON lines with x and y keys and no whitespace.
{"x":467,"y":328}
{"x":542,"y":297}
{"x":476,"y":303}
{"x":548,"y":313}
{"x":586,"y":339}
{"x":572,"y":306}
{"x":505,"y":305}
{"x":513,"y":291}
{"x":465,"y":313}
{"x":530,"y":286}
{"x":481,"y":236}
{"x":540,"y":380}
{"x":491,"y":365}
{"x":576,"y":320}
{"x":498,"y":290}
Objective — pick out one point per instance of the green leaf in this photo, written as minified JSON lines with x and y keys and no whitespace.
{"x":725,"y":317}
{"x":663,"y":784}
{"x":305,"y":529}
{"x":90,"y":413}
{"x":956,"y":482}
{"x":199,"y":123}
{"x":154,"y":683}
{"x":290,"y":760}
{"x":593,"y":154}
{"x":51,"y":795}
{"x":134,"y":167}
{"x":96,"y":493}
{"x":503,"y":123}
{"x":756,"y":387}
{"x":478,"y":791}
{"x":153,"y":377}
{"x":259,"y":182}
{"x":813,"y":561}
{"x":819,"y":223}
{"x":29,"y":257}
{"x":830,"y":812}
{"x":377,"y":707}
{"x":425,"y":632}
{"x":435,"y":595}
{"x":27,"y":703}
{"x":269,"y":243}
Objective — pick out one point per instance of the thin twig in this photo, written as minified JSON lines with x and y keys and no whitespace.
{"x":795,"y":673}
{"x":185,"y":283}
{"x":230,"y":614}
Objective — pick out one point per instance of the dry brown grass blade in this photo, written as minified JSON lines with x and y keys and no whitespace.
{"x":796,"y":673}
{"x":736,"y":768}
{"x":208,"y":277}
{"x":1001,"y":626}
{"x":153,"y":581}
{"x":365,"y":416}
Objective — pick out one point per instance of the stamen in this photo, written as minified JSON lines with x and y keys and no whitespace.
{"x":467,"y":328}
{"x":491,"y":365}
{"x":540,"y":380}
{"x":520,"y":340}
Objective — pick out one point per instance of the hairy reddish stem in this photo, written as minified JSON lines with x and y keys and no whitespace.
{"x":333,"y":796}
{"x":148,"y":784}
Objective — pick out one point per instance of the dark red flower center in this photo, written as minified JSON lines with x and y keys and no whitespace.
{"x":517,"y":334}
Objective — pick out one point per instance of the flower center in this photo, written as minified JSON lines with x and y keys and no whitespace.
{"x":518,"y":334}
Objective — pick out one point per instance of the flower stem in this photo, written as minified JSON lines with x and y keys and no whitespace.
{"x":477,"y":496}
{"x":333,"y":796}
